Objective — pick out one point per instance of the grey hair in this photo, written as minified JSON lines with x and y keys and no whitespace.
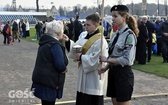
{"x":54,"y":28}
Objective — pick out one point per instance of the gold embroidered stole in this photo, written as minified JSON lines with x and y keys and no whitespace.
{"x":89,"y":43}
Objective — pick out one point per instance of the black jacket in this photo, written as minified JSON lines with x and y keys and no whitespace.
{"x":45,"y":72}
{"x":143,"y":33}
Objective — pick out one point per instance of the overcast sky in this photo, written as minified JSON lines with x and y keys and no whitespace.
{"x":66,"y":3}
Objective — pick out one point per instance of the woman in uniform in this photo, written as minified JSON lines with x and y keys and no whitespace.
{"x":122,"y":48}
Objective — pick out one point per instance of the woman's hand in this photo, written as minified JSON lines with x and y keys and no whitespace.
{"x":103,"y":58}
{"x":65,"y":37}
{"x":102,"y":70}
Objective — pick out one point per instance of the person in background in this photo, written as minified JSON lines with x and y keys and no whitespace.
{"x":77,"y":28}
{"x":158,"y":32}
{"x":151,"y":29}
{"x":105,"y":26}
{"x":90,"y":86}
{"x":6,"y":33}
{"x":70,"y":28}
{"x":27,"y":28}
{"x":43,"y":27}
{"x":38,"y":28}
{"x":154,"y":45}
{"x":142,"y":41}
{"x":15,"y":31}
{"x":164,"y":30}
{"x":23,"y":28}
{"x":51,"y":65}
{"x":83,"y":34}
{"x":20,"y":29}
{"x":122,"y":49}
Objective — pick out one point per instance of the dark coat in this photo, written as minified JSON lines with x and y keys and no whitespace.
{"x":15,"y":27}
{"x":51,"y":61}
{"x":143,"y":33}
{"x":48,"y":71}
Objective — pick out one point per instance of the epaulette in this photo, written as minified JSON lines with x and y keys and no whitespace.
{"x":130,"y":32}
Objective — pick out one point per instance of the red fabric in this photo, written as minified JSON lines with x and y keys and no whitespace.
{"x":8,"y":31}
{"x":115,"y":28}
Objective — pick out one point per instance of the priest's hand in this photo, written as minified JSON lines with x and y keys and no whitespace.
{"x":78,"y":56}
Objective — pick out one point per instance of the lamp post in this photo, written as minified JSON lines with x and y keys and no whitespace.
{"x":132,"y":7}
{"x":158,"y":8}
{"x":165,"y":3}
{"x":144,"y":7}
{"x":99,"y":6}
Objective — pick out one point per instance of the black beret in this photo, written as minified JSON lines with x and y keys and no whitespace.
{"x":119,"y":8}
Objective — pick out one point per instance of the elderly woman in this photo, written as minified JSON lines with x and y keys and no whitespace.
{"x":51,"y":65}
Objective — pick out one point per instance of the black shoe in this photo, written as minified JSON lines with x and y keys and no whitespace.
{"x":142,"y":63}
{"x":19,"y":41}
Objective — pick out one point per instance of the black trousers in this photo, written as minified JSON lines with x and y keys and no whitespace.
{"x":86,"y":99}
{"x":47,"y":102}
{"x":6,"y":39}
{"x":159,"y":46}
{"x":165,"y":50}
{"x":149,"y":45}
{"x":141,"y":52}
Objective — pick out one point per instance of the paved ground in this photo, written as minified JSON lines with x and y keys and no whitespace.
{"x":17,"y":63}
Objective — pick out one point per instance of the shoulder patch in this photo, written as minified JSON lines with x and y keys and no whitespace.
{"x":129,"y":40}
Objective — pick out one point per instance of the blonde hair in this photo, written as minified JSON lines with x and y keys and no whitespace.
{"x":131,"y":21}
{"x":54,"y":28}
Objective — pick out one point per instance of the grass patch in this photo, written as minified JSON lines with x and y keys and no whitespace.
{"x":32,"y":36}
{"x":155,"y":66}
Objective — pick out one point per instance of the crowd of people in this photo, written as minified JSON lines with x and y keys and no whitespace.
{"x":14,"y":30}
{"x":101,"y":65}
{"x":152,"y":39}
{"x":104,"y":67}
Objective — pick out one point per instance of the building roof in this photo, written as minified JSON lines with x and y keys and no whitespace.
{"x":23,"y":13}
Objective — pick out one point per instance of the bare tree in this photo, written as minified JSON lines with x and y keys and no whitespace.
{"x":7,"y":7}
{"x":77,"y":9}
{"x":37,"y":5}
{"x":61,"y":11}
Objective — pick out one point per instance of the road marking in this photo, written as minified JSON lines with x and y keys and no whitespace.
{"x":19,"y":74}
{"x":11,"y":75}
{"x":107,"y":98}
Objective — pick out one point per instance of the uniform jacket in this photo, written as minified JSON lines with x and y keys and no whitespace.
{"x":125,"y":47}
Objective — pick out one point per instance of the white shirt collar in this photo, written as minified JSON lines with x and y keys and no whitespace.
{"x":122,"y":29}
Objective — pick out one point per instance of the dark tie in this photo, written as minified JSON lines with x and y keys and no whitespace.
{"x":111,"y":47}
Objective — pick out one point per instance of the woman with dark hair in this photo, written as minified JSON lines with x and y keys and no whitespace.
{"x":122,"y":49}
